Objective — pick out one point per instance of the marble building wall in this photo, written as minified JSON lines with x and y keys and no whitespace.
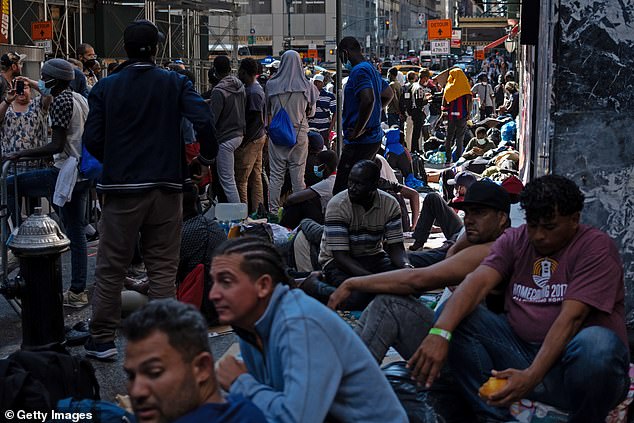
{"x":592,"y":115}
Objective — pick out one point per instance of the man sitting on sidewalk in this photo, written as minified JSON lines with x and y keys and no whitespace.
{"x":302,"y":363}
{"x":562,"y":339}
{"x":359,"y":222}
{"x":398,"y":319}
{"x":171,"y":370}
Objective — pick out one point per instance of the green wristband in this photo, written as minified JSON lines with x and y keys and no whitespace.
{"x":440,"y":332}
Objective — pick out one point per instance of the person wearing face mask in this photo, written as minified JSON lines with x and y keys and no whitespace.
{"x":487,"y":98}
{"x":315,"y":146}
{"x":23,"y":120}
{"x":311,"y":202}
{"x":23,"y":125}
{"x":365,"y":94}
{"x":67,"y":113}
{"x":478,"y":145}
{"x":87,"y":56}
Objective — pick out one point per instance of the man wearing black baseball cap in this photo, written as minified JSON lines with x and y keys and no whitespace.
{"x":397,"y":318}
{"x":487,"y":194}
{"x":10,"y":67}
{"x":133,"y":128}
{"x":562,"y":338}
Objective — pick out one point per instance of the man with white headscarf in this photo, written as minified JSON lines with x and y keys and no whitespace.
{"x":290,"y":89}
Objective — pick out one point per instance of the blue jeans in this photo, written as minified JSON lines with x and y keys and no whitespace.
{"x":394,"y":320}
{"x":41,"y":183}
{"x":436,"y":210}
{"x":588,"y":381}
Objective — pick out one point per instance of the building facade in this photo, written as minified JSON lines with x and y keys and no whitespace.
{"x":383,"y":27}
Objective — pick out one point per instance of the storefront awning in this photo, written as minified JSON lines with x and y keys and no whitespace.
{"x":500,"y":40}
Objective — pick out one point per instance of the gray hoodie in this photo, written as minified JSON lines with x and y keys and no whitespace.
{"x":228,"y":108}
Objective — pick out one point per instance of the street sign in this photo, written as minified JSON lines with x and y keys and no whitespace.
{"x":251,"y":39}
{"x":312,"y":54}
{"x":479,"y":53}
{"x":439,"y":46}
{"x":439,"y":29}
{"x":47,"y":45}
{"x":42,"y":30}
{"x":312,"y":46}
{"x":456,"y":36}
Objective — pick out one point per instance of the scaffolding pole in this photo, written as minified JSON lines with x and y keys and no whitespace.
{"x":81,"y":23}
{"x":234,"y":35}
{"x":66,"y":27}
{"x":10,"y":21}
{"x":169,"y":30}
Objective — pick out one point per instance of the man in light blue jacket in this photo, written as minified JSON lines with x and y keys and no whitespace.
{"x":301,"y":362}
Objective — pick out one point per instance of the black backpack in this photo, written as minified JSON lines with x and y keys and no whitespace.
{"x":412,"y":397}
{"x":45,"y":376}
{"x":418,"y":166}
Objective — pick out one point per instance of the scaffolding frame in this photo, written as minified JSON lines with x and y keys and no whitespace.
{"x":185,"y":27}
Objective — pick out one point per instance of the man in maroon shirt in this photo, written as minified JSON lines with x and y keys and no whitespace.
{"x":562,"y":338}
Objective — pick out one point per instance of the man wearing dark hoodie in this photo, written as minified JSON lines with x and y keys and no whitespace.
{"x":228,"y":100}
{"x":144,"y":169}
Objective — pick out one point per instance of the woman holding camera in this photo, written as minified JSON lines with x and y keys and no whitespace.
{"x":23,"y":120}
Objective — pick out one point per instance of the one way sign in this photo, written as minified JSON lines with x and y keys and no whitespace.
{"x":439,"y":29}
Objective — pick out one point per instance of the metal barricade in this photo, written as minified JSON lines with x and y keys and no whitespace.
{"x":5,"y":224}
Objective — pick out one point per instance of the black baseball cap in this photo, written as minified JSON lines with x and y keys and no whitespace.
{"x":464,"y":178}
{"x":485,"y":193}
{"x":142,"y":35}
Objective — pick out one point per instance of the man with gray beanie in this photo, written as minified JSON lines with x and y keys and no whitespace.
{"x":67,"y":114}
{"x":144,"y":170}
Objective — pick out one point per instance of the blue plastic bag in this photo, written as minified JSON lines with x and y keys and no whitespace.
{"x":88,"y":410}
{"x":89,"y":166}
{"x":281,"y":130}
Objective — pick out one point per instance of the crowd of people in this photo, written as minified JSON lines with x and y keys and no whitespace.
{"x":538,"y":305}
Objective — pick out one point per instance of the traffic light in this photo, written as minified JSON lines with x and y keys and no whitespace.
{"x":387,"y":24}
{"x":331,"y":51}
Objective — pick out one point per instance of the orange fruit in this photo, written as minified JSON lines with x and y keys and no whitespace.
{"x":492,"y":386}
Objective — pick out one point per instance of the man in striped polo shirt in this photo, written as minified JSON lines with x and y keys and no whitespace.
{"x":324,"y":117}
{"x":359,"y":222}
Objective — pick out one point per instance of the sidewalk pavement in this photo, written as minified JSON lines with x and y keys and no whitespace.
{"x":112,"y":379}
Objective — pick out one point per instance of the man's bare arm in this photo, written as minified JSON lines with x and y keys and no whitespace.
{"x":428,"y":359}
{"x":522,"y":382}
{"x":448,"y":272}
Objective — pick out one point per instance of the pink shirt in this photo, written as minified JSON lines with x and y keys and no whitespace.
{"x":588,"y":270}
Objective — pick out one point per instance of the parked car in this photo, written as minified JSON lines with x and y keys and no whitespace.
{"x":467,"y":68}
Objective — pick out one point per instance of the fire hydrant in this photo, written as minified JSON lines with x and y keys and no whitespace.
{"x":39,"y":244}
